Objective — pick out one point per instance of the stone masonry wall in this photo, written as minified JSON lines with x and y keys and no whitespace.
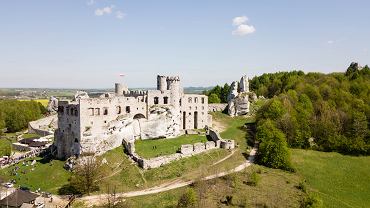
{"x":186,"y":150}
{"x":216,"y":107}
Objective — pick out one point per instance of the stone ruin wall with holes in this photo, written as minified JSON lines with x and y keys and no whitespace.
{"x":96,"y":125}
{"x":186,"y":150}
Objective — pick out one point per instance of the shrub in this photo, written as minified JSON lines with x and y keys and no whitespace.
{"x":302,"y":186}
{"x":188,"y":199}
{"x":312,"y":202}
{"x":253,"y":179}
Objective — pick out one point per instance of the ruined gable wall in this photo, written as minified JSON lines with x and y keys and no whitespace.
{"x":191,"y":103}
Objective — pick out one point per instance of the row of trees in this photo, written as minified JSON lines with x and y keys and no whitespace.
{"x":325,"y":112}
{"x":218,"y":94}
{"x":15,"y":115}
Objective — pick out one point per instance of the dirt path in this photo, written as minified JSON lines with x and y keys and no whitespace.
{"x":101,"y":198}
{"x":225,"y":158}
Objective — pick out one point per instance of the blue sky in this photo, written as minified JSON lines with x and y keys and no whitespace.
{"x":86,"y":44}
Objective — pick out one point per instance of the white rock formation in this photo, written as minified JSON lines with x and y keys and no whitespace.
{"x":244,"y":84}
{"x":79,"y":95}
{"x":162,"y":123}
{"x":239,"y":102}
{"x":231,"y":97}
{"x":52,"y":105}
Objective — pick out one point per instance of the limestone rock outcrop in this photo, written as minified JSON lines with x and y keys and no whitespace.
{"x":52,"y":105}
{"x":244,"y":84}
{"x":239,"y":101}
{"x":231,"y":108}
{"x":162,"y":122}
{"x":79,"y":95}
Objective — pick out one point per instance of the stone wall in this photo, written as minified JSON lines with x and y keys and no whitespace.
{"x":44,"y":126}
{"x":186,"y":150}
{"x":217,"y":107}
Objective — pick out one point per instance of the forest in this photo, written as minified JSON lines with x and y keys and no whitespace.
{"x":15,"y":115}
{"x":325,"y":112}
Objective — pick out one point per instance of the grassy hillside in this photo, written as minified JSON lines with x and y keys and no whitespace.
{"x":47,"y":175}
{"x":340,"y":181}
{"x":275,"y":188}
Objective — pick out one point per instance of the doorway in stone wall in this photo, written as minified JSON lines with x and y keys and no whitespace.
{"x":196,"y":120}
{"x":184,"y":120}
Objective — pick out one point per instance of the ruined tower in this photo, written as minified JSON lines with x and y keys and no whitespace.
{"x":161,"y":83}
{"x":118,"y":89}
{"x":173,"y":84}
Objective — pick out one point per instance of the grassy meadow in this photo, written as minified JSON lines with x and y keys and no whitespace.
{"x":339,"y":180}
{"x":47,"y":175}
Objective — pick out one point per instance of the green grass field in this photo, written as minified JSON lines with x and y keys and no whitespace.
{"x":339,"y":180}
{"x":158,"y":147}
{"x":48,"y":176}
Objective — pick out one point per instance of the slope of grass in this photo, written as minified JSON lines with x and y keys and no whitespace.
{"x":124,"y":175}
{"x":276,"y":188}
{"x":46,"y":175}
{"x":341,"y":181}
{"x":158,"y":147}
{"x":234,"y":127}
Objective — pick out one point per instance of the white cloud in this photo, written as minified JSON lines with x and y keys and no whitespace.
{"x":243,"y":30}
{"x":240,"y":20}
{"x":330,"y":41}
{"x":120,"y":15}
{"x":105,"y":10}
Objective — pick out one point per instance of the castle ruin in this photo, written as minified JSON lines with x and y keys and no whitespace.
{"x":96,"y":125}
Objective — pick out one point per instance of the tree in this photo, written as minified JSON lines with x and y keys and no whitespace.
{"x":188,"y":199}
{"x":273,"y":150}
{"x":85,"y":175}
{"x":225,"y":93}
{"x":273,"y":110}
{"x":213,"y":98}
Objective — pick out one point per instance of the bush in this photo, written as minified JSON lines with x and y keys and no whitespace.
{"x":5,"y":147}
{"x":254,"y":179}
{"x":312,"y":202}
{"x":188,"y":199}
{"x":302,"y":186}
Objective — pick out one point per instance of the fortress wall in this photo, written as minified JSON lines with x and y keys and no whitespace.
{"x":108,"y":109}
{"x":215,"y":107}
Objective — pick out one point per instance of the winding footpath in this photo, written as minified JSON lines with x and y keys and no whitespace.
{"x":101,"y":198}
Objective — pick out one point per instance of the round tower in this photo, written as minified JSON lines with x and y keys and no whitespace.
{"x":161,"y":83}
{"x":173,"y":84}
{"x":118,"y":89}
